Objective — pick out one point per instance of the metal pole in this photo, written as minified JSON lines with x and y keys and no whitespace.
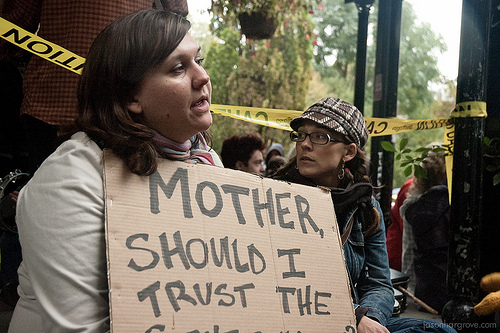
{"x":467,"y":183}
{"x":490,"y":228}
{"x":385,"y":96}
{"x":359,"y":84}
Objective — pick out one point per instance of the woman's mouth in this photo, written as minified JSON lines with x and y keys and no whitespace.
{"x":201,"y":106}
{"x":306,"y":159}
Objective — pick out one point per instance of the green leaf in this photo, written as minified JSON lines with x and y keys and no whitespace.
{"x":398,"y":157}
{"x":407,"y":171}
{"x":421,"y":149}
{"x":487,"y":141}
{"x":386,"y":145}
{"x":408,"y":157}
{"x":492,"y":168}
{"x":403,"y":143}
{"x":420,"y":172}
{"x":403,"y":164}
{"x":406,"y":151}
{"x":496,"y":179}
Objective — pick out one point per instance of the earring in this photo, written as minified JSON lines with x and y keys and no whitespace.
{"x":342,"y":172}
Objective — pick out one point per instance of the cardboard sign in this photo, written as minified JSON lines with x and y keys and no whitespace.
{"x":198,"y":248}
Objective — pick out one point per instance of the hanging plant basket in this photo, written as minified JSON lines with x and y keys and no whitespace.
{"x":257,"y":25}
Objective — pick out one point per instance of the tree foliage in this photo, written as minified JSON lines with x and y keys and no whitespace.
{"x":337,"y":29}
{"x":221,"y":60}
{"x":335,"y":55}
{"x":335,"y":59}
{"x":335,"y":50}
{"x":225,"y":13}
{"x":276,"y":73}
{"x":417,"y":66}
{"x":272,"y":73}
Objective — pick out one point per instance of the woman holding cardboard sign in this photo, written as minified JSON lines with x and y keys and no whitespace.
{"x":329,"y":138}
{"x":143,"y":94}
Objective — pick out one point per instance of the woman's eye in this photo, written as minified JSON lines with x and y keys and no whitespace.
{"x":178,"y":68}
{"x":320,"y":136}
{"x":199,"y":61}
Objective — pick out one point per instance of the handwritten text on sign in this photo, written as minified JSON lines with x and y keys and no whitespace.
{"x":195,"y":248}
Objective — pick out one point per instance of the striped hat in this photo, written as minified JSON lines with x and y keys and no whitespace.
{"x":337,"y":115}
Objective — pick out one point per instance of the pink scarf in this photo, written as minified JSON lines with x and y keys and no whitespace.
{"x":194,"y":150}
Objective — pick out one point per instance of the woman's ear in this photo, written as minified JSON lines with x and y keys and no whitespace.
{"x":134,"y":107}
{"x":350,"y":151}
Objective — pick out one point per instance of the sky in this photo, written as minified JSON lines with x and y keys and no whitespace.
{"x":444,"y":17}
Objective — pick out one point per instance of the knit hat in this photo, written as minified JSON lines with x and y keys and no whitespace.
{"x":278,"y":147}
{"x":337,"y":115}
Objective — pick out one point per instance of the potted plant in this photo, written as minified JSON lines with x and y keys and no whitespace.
{"x":257,"y":25}
{"x":258,"y":19}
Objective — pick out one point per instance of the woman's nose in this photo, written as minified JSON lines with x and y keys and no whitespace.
{"x":306,"y":144}
{"x":200,"y":78}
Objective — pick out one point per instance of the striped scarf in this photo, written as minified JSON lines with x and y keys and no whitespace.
{"x":194,"y":150}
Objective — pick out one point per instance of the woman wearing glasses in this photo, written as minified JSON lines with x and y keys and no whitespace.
{"x":330,"y":136}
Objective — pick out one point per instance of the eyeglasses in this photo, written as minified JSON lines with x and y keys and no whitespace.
{"x":316,"y":137}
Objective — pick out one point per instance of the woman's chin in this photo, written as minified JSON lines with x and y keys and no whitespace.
{"x":306,"y":172}
{"x":206,"y":122}
{"x":202,"y":125}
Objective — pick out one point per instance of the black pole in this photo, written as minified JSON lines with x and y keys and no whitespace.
{"x":385,"y":96}
{"x":490,"y":228}
{"x":467,"y":183}
{"x":364,"y":8}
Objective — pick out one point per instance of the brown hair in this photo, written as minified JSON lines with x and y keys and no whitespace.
{"x":117,"y":62}
{"x":358,"y":166}
{"x":434,"y":165}
{"x":240,"y":148}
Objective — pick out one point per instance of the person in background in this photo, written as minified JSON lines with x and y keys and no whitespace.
{"x":143,"y":94}
{"x":276,"y":149}
{"x":244,"y":152}
{"x":329,"y":137}
{"x":395,"y":230}
{"x":274,"y":164}
{"x":426,"y":220}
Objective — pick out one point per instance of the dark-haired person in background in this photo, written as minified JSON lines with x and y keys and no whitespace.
{"x":244,"y":152}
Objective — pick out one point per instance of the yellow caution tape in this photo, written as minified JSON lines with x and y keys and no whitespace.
{"x":281,"y":119}
{"x":276,"y":118}
{"x":449,"y":143}
{"x":462,"y":110}
{"x":39,"y":46}
{"x":388,"y":126}
{"x":469,"y":109}
{"x":268,"y":117}
{"x":376,"y":126}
